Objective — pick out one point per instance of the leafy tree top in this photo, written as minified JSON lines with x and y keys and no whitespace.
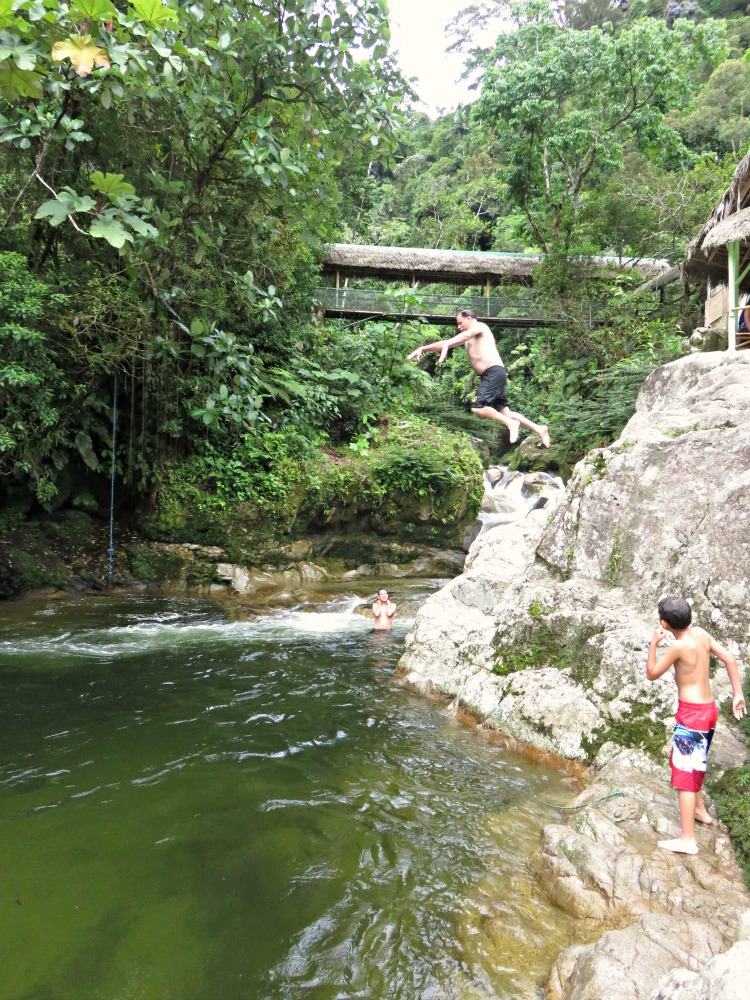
{"x":567,"y":104}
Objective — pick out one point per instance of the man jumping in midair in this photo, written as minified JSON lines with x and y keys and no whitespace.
{"x":489,"y":400}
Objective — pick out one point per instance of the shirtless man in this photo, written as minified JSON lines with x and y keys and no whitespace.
{"x":490,"y":399}
{"x":383,"y":611}
{"x":690,"y":655}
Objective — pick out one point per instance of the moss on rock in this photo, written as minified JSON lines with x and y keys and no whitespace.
{"x":21,"y":571}
{"x":150,"y":564}
{"x":638,"y":730}
{"x":418,"y":483}
{"x":547,"y":639}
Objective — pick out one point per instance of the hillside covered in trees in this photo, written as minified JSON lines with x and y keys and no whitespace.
{"x":170,"y":174}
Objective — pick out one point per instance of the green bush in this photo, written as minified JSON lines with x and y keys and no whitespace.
{"x":415,"y":480}
{"x":732,"y":795}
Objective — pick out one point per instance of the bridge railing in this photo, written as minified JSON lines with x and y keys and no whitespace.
{"x":359,"y":300}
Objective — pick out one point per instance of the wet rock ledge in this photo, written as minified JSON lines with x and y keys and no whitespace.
{"x":665,"y":912}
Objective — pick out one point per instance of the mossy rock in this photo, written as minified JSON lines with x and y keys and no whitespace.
{"x":23,"y":571}
{"x":152,"y":565}
{"x":69,"y":529}
{"x":418,"y":483}
{"x":545,"y":640}
{"x":637,"y":730}
{"x":200,"y":573}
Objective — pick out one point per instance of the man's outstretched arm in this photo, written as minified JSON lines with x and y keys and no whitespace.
{"x":442,"y":345}
{"x":416,"y":355}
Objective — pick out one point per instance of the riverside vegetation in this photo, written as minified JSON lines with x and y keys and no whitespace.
{"x":169,"y":176}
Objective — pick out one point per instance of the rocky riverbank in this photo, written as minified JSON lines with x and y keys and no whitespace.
{"x":545,"y":636}
{"x":659,"y":911}
{"x":402,"y":499}
{"x":68,"y":552}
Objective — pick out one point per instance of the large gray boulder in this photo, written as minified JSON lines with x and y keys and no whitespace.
{"x":604,"y":863}
{"x":545,"y":636}
{"x":546,"y":633}
{"x":723,"y":978}
{"x":667,"y":507}
{"x":627,"y":964}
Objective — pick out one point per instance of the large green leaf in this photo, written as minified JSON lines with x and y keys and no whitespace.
{"x":153,"y":11}
{"x":7,"y":15}
{"x":140,"y":226}
{"x":15,"y":82}
{"x":112,"y":231}
{"x":66,"y":203}
{"x":111,"y":184}
{"x":56,"y":211}
{"x":94,"y":10}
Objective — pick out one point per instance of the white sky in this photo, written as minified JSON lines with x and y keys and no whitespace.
{"x":418,"y":35}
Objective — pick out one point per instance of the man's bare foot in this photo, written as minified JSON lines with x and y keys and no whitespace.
{"x":514,"y":428}
{"x":679,"y":846}
{"x":704,"y":817}
{"x":544,"y":435}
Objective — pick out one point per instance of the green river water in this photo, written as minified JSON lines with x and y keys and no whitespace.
{"x":198,"y":804}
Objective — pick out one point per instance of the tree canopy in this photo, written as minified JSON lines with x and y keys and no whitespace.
{"x":171,"y":171}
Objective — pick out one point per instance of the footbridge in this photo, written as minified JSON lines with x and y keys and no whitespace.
{"x":506,"y":310}
{"x":496,"y":286}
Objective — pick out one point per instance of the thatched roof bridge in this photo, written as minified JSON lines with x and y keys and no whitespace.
{"x":454,"y":267}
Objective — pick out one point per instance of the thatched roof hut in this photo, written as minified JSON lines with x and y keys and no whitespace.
{"x":459,"y":267}
{"x":707,"y":256}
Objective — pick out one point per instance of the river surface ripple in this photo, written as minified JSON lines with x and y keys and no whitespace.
{"x":200,"y":807}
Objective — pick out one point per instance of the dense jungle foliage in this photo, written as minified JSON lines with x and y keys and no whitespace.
{"x":170,"y":173}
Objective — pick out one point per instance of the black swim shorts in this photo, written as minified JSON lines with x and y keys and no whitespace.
{"x":491,"y":389}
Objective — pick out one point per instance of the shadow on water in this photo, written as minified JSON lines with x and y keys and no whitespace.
{"x":200,"y":802}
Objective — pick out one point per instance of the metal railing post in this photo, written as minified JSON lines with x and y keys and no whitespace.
{"x":733,"y":260}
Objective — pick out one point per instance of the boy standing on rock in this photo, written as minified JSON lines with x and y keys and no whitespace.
{"x":697,"y":714}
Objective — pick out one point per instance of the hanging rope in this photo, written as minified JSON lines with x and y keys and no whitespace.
{"x":111,"y":549}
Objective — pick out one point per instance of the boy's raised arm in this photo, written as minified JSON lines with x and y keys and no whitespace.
{"x":738,"y":700}
{"x":654,"y":670}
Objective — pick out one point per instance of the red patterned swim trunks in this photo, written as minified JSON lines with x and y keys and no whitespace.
{"x":693,"y":732}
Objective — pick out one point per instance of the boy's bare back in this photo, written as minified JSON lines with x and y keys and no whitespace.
{"x":690,"y":655}
{"x":691,"y":666}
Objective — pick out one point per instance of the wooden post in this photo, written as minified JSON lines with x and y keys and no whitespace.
{"x":487,"y":293}
{"x":337,"y":277}
{"x":733,"y":257}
